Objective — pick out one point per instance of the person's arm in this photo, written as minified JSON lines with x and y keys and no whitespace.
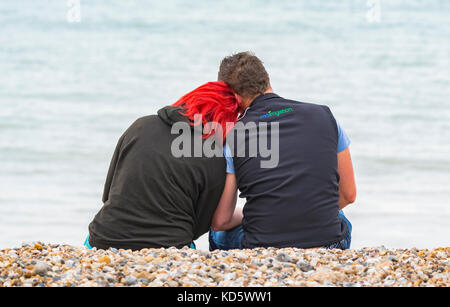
{"x":226,"y":215}
{"x":347,"y":186}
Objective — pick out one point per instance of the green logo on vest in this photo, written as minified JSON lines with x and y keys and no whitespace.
{"x":276,"y":113}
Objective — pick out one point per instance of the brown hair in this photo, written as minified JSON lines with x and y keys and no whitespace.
{"x":245,"y":74}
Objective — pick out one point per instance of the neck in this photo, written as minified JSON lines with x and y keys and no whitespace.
{"x":269,"y":90}
{"x":249,"y":101}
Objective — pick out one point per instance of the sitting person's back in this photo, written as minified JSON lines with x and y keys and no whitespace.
{"x":298,"y":178}
{"x":152,"y":198}
{"x":295,"y":203}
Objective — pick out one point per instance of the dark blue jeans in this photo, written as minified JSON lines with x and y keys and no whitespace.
{"x":232,"y":239}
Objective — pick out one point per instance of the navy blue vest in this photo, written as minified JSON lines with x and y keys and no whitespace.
{"x":294,"y":204}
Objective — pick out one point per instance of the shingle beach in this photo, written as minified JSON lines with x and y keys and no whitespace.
{"x":38,"y":264}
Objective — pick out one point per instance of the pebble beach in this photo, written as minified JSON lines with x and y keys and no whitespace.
{"x":53,"y":265}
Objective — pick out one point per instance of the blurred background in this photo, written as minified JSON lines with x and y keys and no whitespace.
{"x":68,"y":90}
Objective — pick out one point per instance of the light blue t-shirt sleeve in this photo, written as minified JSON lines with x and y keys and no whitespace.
{"x":229,"y":159}
{"x":343,"y":139}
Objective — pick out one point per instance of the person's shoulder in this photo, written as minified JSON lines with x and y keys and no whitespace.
{"x":140,"y":123}
{"x":144,"y":120}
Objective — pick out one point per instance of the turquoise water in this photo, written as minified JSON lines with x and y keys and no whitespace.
{"x":68,"y":91}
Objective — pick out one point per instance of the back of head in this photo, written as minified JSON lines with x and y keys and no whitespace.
{"x":245,"y":74}
{"x":215,"y":102}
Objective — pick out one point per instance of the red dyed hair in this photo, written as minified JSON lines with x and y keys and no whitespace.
{"x":215,"y":101}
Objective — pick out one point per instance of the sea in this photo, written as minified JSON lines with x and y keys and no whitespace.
{"x":75,"y":74}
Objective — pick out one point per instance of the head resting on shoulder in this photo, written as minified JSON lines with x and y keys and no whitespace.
{"x":215,"y":102}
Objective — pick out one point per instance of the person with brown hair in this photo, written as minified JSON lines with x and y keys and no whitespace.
{"x":297,"y":203}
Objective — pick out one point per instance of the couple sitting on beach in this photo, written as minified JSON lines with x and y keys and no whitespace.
{"x":290,"y":160}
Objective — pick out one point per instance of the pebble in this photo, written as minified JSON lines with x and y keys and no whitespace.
{"x":325,"y":275}
{"x":393,"y":258}
{"x":52,"y":265}
{"x":40,"y":268}
{"x":283,"y":257}
{"x":304,"y":266}
{"x":130,"y":280}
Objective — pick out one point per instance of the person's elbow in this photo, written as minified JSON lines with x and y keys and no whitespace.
{"x":350,"y":196}
{"x":218,"y":227}
{"x":219,"y":224}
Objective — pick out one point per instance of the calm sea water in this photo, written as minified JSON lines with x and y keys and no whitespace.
{"x":69,"y":90}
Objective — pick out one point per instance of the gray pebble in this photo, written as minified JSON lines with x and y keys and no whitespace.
{"x":283,"y":257}
{"x":130,"y":280}
{"x":304,"y":266}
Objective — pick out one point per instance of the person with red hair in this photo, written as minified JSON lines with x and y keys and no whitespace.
{"x":153,"y":198}
{"x":215,"y":101}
